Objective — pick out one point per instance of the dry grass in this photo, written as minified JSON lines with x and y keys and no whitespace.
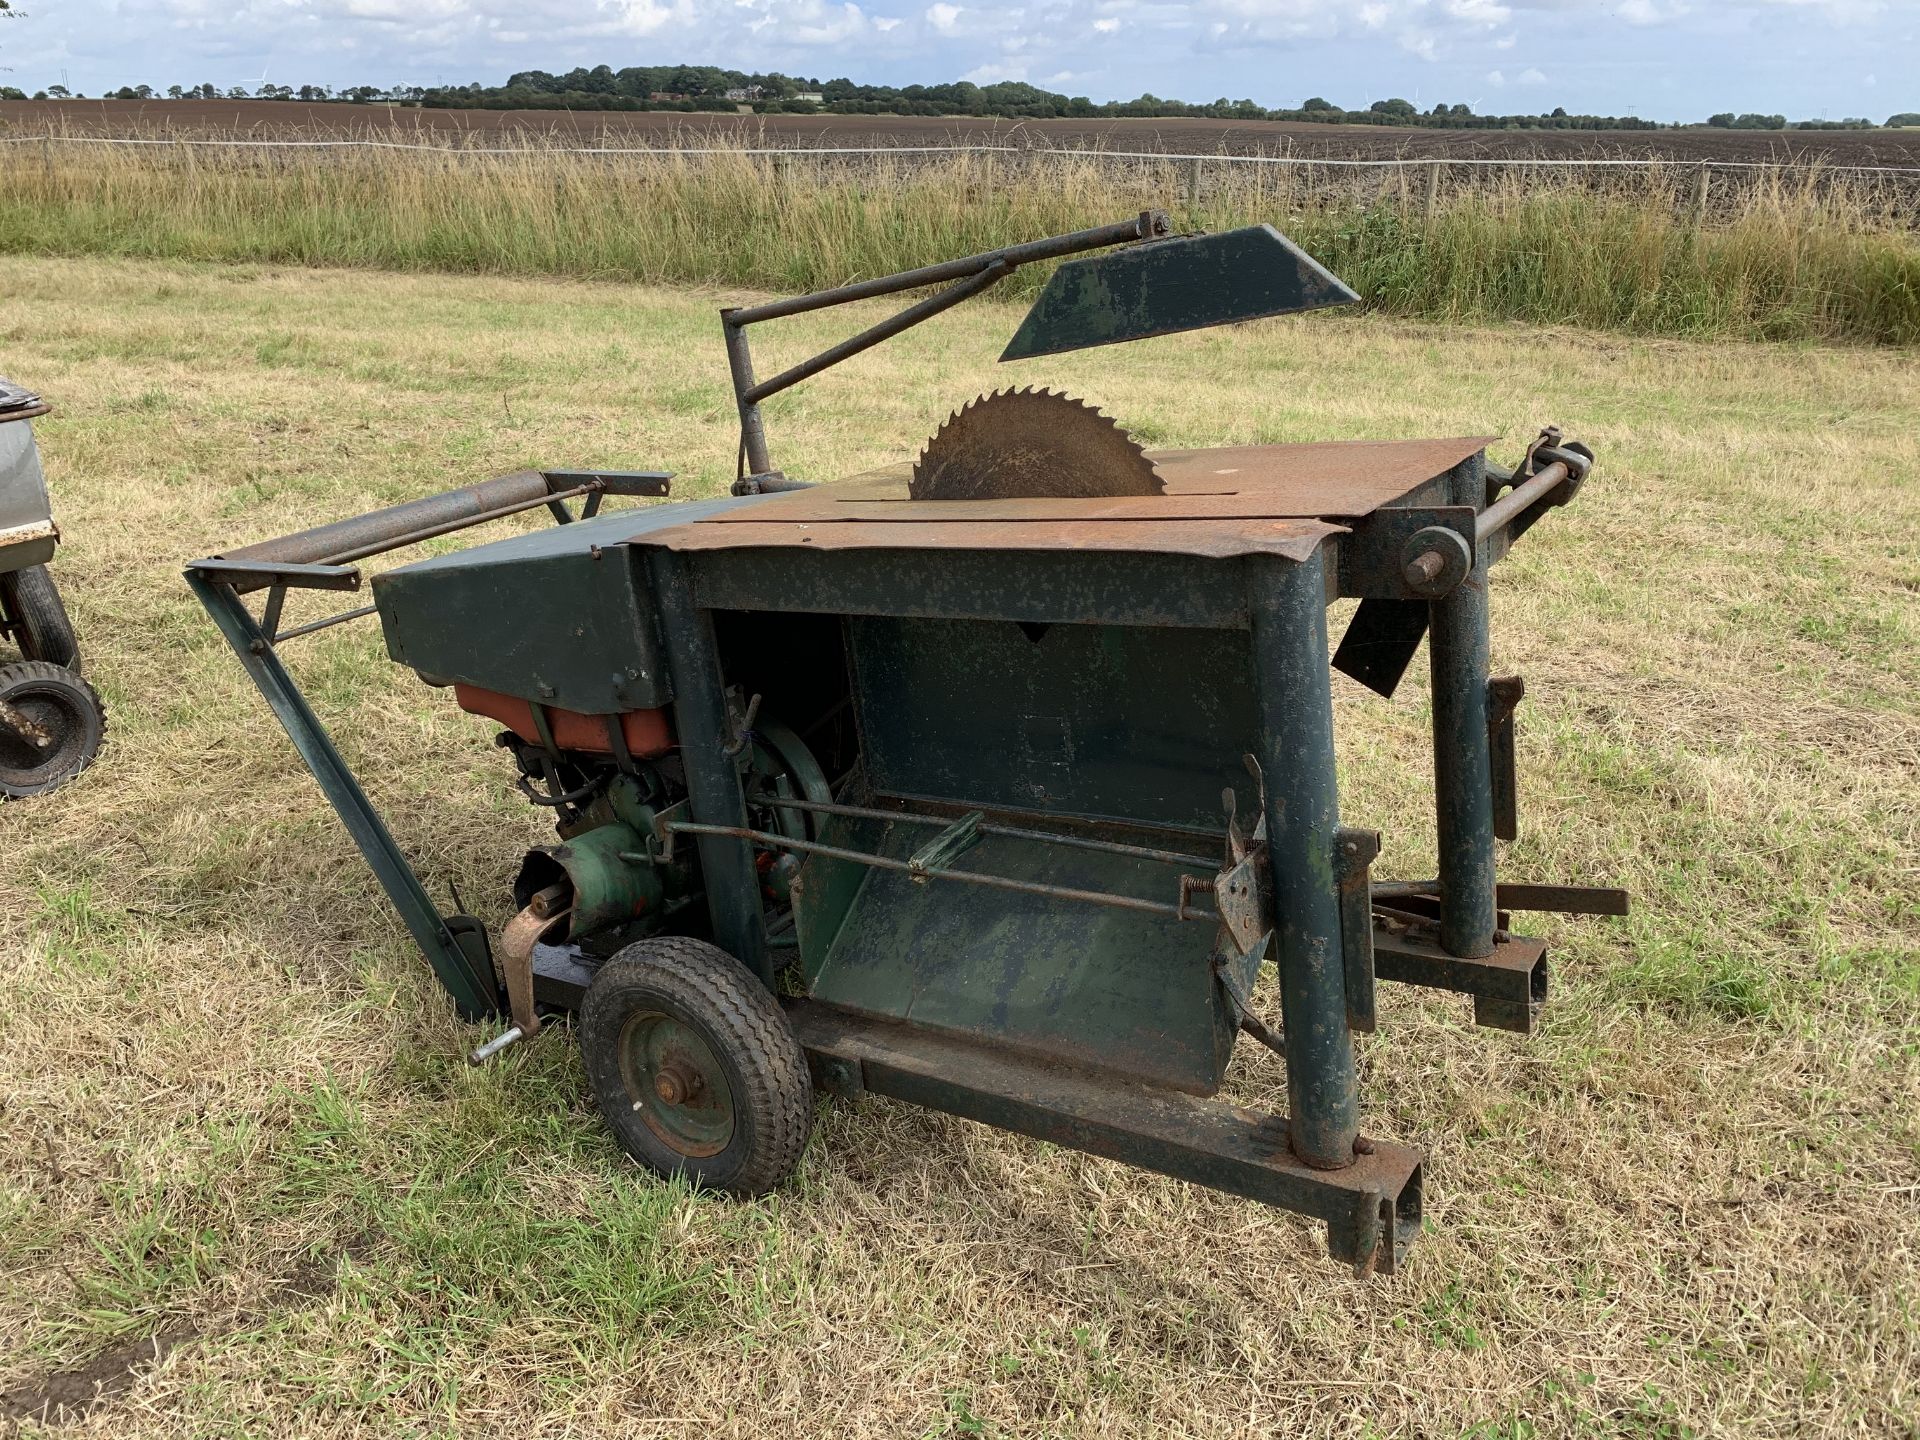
{"x":1790,"y":253}
{"x":234,"y":1103}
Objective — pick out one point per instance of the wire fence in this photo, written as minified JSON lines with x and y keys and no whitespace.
{"x":1709,"y":190}
{"x":1224,"y":157}
{"x":1210,"y":158}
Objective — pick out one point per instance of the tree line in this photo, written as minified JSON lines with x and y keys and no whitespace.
{"x":713,"y":89}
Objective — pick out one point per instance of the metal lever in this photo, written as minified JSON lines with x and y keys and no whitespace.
{"x":1354,"y":854}
{"x":1504,"y":693}
{"x":517,"y":941}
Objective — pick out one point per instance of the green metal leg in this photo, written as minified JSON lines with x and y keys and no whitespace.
{"x":713,"y":779}
{"x":463,"y":968}
{"x":1288,"y":603}
{"x":1462,"y":755}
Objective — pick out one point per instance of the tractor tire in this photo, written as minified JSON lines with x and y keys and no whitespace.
{"x":694,"y":1067}
{"x":40,"y":624}
{"x":67,"y":709}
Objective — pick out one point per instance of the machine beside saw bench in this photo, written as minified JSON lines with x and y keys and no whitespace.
{"x":992,"y":781}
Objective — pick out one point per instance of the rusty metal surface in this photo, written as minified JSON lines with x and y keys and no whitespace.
{"x":1344,"y":478}
{"x":518,"y":938}
{"x":1508,"y":987}
{"x":1208,"y":539}
{"x":19,"y":403}
{"x":1339,"y":480}
{"x":822,"y":505}
{"x":1025,"y":444}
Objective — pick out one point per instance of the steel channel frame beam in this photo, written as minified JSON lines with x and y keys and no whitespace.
{"x":714,"y":796}
{"x":1287,"y":602}
{"x":1462,"y":750}
{"x":468,"y":981}
{"x":1372,"y":1207}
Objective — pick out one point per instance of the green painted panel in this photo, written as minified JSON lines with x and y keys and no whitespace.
{"x":1108,"y":721}
{"x":1067,"y":980}
{"x":1187,"y":283}
{"x":1039,"y":586}
{"x":563,"y":615}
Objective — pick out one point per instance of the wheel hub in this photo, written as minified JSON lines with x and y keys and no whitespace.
{"x":675,"y":1084}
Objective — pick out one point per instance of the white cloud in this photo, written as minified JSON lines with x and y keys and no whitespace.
{"x":1648,"y":12}
{"x":1349,"y":50}
{"x":1479,"y":12}
{"x":821,"y":24}
{"x":1531,"y":76}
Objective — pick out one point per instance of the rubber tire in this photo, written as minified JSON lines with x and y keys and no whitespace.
{"x":706,"y":989}
{"x":84,"y":707}
{"x":41,"y":625}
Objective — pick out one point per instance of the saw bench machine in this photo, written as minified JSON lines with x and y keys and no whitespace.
{"x":992,"y":781}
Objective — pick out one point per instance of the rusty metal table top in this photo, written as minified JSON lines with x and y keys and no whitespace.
{"x":1234,"y":500}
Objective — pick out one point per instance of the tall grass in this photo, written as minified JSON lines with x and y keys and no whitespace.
{"x":1784,"y":257}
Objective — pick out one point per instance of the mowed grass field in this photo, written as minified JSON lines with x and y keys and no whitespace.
{"x":237,"y":1131}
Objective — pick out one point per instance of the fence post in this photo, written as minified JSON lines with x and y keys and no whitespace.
{"x":1193,"y":185}
{"x":1700,"y":196}
{"x":1433,"y":188}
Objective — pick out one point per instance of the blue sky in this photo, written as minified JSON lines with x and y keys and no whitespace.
{"x":1663,"y":59}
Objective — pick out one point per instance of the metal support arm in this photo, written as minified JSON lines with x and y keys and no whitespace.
{"x":973,"y":274}
{"x":456,"y":945}
{"x":319,"y":559}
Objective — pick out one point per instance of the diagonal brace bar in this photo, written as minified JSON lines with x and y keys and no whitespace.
{"x":455,"y":946}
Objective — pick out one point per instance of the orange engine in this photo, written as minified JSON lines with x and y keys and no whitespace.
{"x":647,"y":731}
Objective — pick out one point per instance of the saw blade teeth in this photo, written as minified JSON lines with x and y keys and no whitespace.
{"x":1031,"y":442}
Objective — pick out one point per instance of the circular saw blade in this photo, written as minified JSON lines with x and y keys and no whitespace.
{"x":1026,"y":444}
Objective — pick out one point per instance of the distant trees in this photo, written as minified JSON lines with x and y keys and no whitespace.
{"x":714,"y":88}
{"x":7,"y":12}
{"x":1905,"y":120}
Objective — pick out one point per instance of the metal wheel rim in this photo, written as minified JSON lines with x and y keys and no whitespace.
{"x":675,"y":1084}
{"x":23,"y":766}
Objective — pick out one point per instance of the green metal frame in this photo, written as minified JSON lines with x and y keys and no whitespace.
{"x":455,"y":945}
